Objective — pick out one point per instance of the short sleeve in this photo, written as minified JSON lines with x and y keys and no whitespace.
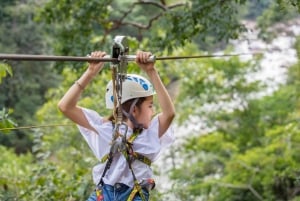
{"x":98,"y":142}
{"x":166,"y":139}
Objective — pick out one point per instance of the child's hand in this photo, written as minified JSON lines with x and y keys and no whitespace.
{"x":142,"y":61}
{"x":96,"y":66}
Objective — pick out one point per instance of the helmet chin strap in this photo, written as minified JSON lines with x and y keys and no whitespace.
{"x":136,"y":126}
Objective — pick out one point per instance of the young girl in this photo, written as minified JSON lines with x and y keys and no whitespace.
{"x":128,"y":170}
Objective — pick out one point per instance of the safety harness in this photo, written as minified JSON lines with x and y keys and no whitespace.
{"x":125,"y":145}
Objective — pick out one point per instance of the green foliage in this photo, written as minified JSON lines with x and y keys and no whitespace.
{"x":255,"y":8}
{"x":216,"y":83}
{"x":252,"y":153}
{"x":278,"y":12}
{"x":202,"y":19}
{"x":249,"y":153}
{"x":83,"y":26}
{"x":24,"y":180}
{"x":14,"y":171}
{"x":24,"y":91}
{"x":5,"y":121}
{"x":4,"y":70}
{"x":287,"y":3}
{"x":168,"y":25}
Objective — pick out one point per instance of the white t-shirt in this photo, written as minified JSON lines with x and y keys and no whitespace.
{"x":147,"y":143}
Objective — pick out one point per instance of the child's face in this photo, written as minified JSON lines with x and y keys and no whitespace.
{"x":144,"y":114}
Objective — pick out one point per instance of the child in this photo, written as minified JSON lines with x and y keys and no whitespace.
{"x":129,"y":169}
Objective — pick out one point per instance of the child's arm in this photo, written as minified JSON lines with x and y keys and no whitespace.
{"x":165,"y":102}
{"x":68,"y":104}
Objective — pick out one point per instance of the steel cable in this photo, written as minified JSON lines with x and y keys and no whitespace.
{"x":28,"y":57}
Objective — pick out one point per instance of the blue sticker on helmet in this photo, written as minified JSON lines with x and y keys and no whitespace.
{"x":112,"y":98}
{"x":145,"y":86}
{"x":141,"y":81}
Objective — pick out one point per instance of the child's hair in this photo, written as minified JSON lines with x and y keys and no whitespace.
{"x":126,"y":107}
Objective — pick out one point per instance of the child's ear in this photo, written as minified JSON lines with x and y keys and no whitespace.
{"x":135,"y":109}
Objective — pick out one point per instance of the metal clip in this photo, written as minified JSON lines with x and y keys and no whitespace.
{"x":119,"y":50}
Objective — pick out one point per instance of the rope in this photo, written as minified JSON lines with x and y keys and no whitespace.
{"x":113,"y":72}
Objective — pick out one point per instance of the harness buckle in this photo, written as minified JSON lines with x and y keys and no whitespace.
{"x":148,"y":184}
{"x":99,"y":194}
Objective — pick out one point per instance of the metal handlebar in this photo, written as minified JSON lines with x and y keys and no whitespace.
{"x":152,"y":58}
{"x":26,"y":57}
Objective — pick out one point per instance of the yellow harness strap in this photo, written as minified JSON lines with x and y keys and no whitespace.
{"x":136,"y":189}
{"x":135,"y":155}
{"x":130,"y":155}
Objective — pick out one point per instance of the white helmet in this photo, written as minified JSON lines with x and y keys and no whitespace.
{"x":134,"y":86}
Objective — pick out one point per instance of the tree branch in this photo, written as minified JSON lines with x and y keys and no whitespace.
{"x":141,"y":26}
{"x":242,"y":186}
{"x":121,"y":21}
{"x":156,"y":4}
{"x":160,"y":5}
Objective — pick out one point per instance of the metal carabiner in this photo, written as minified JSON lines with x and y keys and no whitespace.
{"x":118,"y":132}
{"x":119,"y":50}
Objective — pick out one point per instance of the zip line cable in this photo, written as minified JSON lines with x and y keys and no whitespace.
{"x":28,"y":57}
{"x":32,"y":127}
{"x":70,"y":124}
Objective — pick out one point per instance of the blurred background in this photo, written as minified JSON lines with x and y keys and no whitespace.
{"x":237,"y":120}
